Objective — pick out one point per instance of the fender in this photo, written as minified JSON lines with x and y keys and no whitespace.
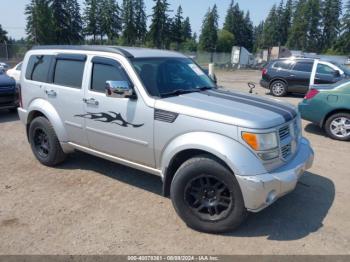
{"x":238,"y":157}
{"x":51,"y":114}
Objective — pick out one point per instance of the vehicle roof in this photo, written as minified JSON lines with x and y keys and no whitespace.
{"x":297,"y":58}
{"x":129,"y":52}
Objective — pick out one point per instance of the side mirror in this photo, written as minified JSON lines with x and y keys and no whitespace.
{"x":337,"y":73}
{"x":119,"y":89}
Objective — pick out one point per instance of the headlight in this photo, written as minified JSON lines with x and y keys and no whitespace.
{"x":260,"y":142}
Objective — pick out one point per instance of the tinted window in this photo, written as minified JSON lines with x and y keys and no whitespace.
{"x":282,"y":65}
{"x":102,"y":73}
{"x":69,"y":73}
{"x":325,"y":69}
{"x":38,"y":67}
{"x":303,"y":67}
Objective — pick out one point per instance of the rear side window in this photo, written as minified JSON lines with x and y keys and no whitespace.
{"x":69,"y":73}
{"x":103,"y":72}
{"x":281,"y":65}
{"x":303,"y":67}
{"x":38,"y":67}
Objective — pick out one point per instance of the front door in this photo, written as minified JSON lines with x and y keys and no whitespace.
{"x":325,"y":74}
{"x":122,"y":127}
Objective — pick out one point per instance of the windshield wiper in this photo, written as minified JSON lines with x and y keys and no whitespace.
{"x":180,"y":92}
{"x":186,"y":91}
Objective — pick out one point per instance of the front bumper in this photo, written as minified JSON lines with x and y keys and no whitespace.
{"x":260,"y":191}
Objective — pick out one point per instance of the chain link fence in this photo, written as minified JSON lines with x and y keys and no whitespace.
{"x":12,"y":53}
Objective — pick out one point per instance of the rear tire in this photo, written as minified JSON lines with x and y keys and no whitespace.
{"x":207,"y":196}
{"x":278,"y":88}
{"x":44,"y":142}
{"x":337,"y":126}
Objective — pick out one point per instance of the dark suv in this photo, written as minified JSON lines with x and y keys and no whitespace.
{"x":9,"y":98}
{"x":296,"y":75}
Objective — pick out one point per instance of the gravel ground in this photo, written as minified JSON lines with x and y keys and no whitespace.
{"x":92,"y":206}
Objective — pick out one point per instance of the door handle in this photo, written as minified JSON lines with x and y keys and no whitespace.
{"x":91,"y":101}
{"x":292,"y":75}
{"x":51,"y":93}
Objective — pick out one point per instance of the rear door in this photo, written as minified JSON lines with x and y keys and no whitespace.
{"x":299,"y":76}
{"x":65,"y":92}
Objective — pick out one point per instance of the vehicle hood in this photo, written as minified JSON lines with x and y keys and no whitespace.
{"x":250,"y":111}
{"x":6,"y":81}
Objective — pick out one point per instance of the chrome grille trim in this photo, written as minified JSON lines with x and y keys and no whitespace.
{"x":284,"y":132}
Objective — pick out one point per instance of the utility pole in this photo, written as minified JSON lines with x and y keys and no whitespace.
{"x":6,"y":50}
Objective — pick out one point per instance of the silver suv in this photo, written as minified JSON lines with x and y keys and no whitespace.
{"x":219,"y":153}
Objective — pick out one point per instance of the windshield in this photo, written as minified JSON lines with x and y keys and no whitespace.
{"x":171,"y":76}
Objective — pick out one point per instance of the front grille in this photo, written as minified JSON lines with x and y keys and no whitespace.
{"x":286,"y":151}
{"x":284,"y":132}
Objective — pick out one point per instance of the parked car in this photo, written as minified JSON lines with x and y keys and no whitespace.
{"x":329,"y":107}
{"x":8,"y":92}
{"x":296,"y":75}
{"x":15,"y":72}
{"x":4,"y":66}
{"x":219,"y":153}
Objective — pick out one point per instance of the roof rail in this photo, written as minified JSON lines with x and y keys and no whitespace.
{"x":99,"y":48}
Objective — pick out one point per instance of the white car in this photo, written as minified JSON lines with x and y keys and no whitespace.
{"x":15,"y":72}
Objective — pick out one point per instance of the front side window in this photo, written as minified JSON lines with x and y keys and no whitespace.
{"x":162,"y":76}
{"x":38,"y":67}
{"x":303,"y":67}
{"x":104,"y":72}
{"x":69,"y":73}
{"x":325,"y":69}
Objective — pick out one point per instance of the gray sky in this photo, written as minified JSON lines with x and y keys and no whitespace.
{"x":12,"y":16}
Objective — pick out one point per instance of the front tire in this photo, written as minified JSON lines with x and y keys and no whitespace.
{"x":338,"y":126}
{"x":44,"y":142}
{"x":278,"y":88}
{"x":207,"y":196}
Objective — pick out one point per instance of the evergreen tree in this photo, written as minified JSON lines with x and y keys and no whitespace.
{"x":236,"y":23}
{"x":298,"y":34}
{"x":176,"y":28}
{"x":60,"y":19}
{"x":313,"y":30}
{"x":343,"y":44}
{"x":3,"y":35}
{"x":186,"y":29}
{"x":286,"y":22}
{"x":90,"y":19}
{"x":331,"y":13}
{"x":39,"y":22}
{"x":248,"y":30}
{"x":271,"y":30}
{"x":258,"y":37}
{"x":209,"y":36}
{"x":75,"y":23}
{"x":159,"y":33}
{"x":129,"y":26}
{"x":111,"y":22}
{"x":140,"y":21}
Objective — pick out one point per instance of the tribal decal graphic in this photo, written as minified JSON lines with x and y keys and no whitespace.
{"x":110,"y":117}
